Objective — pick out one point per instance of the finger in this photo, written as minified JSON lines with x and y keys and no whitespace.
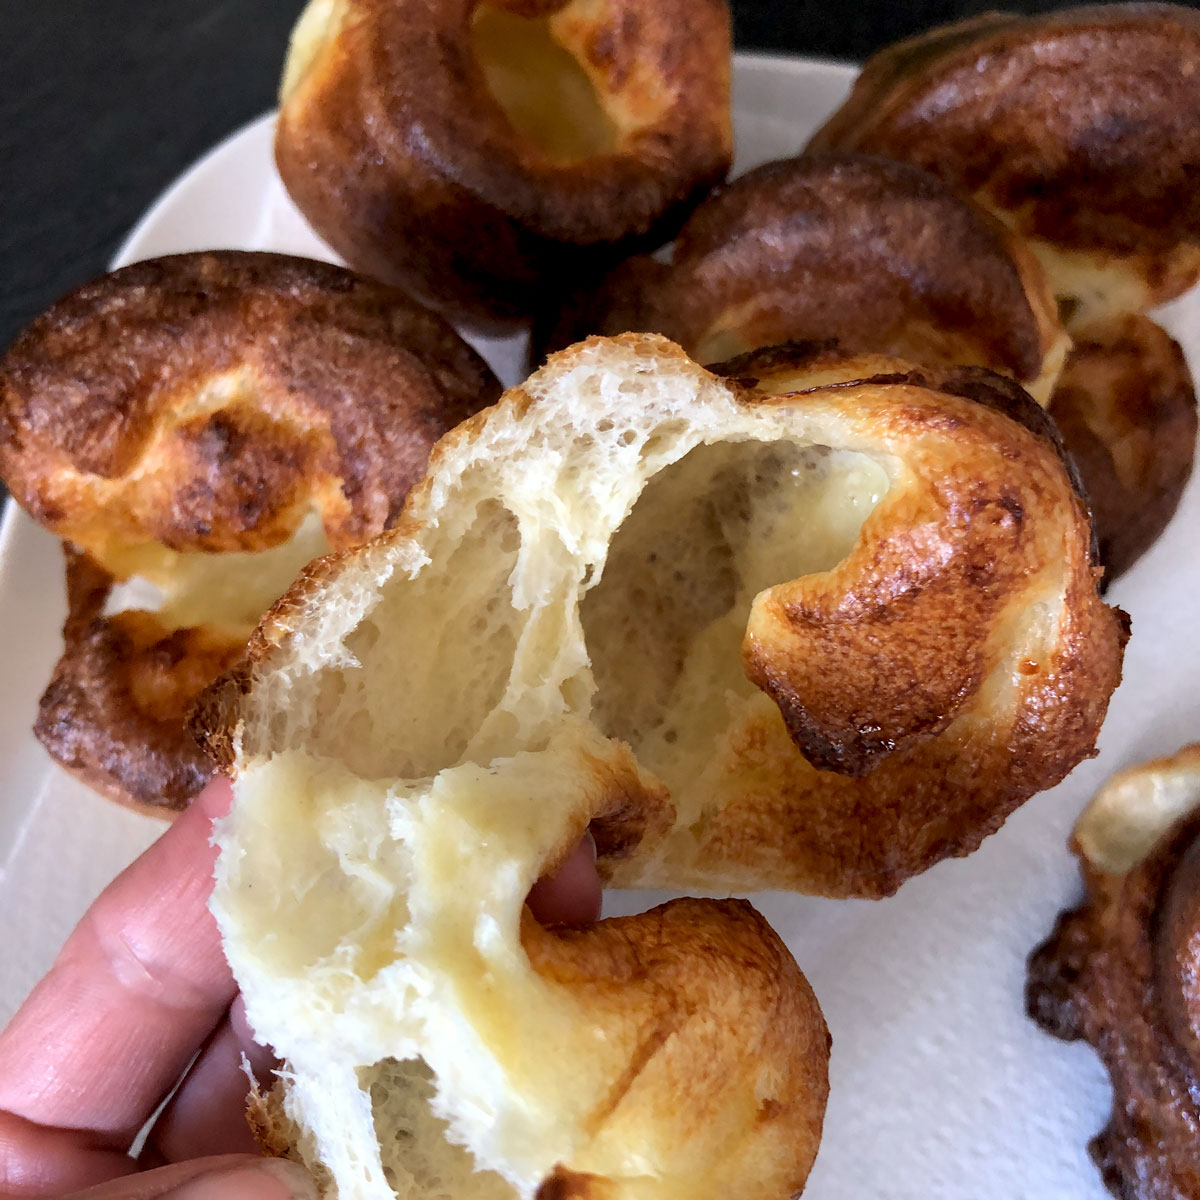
{"x":572,"y":895}
{"x":207,"y":1114}
{"x":136,"y":990}
{"x":230,"y":1177}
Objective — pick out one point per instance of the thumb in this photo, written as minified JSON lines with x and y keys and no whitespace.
{"x":228,"y":1177}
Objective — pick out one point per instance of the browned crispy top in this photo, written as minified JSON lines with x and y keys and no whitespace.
{"x":395,"y":148}
{"x":202,"y":401}
{"x":1120,"y":972}
{"x":205,"y":403}
{"x":443,"y":114}
{"x":873,"y":253}
{"x":764,"y":1086}
{"x":1084,"y":124}
{"x":1127,"y":408}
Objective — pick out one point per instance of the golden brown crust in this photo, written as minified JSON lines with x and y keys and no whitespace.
{"x":884,"y":681}
{"x":892,"y":676}
{"x":205,"y":403}
{"x":1082,"y":127}
{"x":875,"y":254}
{"x":1127,"y":411}
{"x":930,"y":749}
{"x":701,"y":1002}
{"x":395,"y":149}
{"x":113,"y":713}
{"x":200,"y":400}
{"x":1119,"y":972}
{"x":705,"y":1003}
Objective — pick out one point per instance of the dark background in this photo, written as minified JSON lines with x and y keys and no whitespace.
{"x":104,"y":102}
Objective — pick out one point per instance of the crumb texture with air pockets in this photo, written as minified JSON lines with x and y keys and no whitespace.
{"x":632,"y":587}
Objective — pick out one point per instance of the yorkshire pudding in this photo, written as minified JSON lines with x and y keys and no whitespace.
{"x":844,"y":616}
{"x":481,"y":153}
{"x":1126,"y":408}
{"x":438,"y":1042}
{"x":877,"y":255}
{"x":1080,"y":128}
{"x":206,"y":424}
{"x":1121,"y":971}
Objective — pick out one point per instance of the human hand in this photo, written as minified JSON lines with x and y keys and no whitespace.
{"x":140,"y":1006}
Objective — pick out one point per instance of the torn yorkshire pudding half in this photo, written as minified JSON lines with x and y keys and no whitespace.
{"x":1080,"y":130}
{"x":438,"y":1042}
{"x":198,"y":427}
{"x":1120,"y":972}
{"x":877,"y":255}
{"x":845,"y":618}
{"x":480,"y":153}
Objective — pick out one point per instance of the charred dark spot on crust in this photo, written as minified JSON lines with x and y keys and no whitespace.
{"x":746,"y":369}
{"x":563,"y":1185}
{"x":855,"y":754}
{"x":602,"y":48}
{"x":1013,"y":507}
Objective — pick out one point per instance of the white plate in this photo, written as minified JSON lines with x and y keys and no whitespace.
{"x":941,"y":1088}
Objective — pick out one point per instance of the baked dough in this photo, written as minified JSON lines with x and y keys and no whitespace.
{"x":844,"y":615}
{"x":206,"y":424}
{"x":1126,"y":407}
{"x":875,"y":254}
{"x":1080,"y":130}
{"x":481,"y":154}
{"x":1121,"y":970}
{"x":644,"y":599}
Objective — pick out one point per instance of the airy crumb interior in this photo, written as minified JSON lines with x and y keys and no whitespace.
{"x":664,"y":625}
{"x":409,"y":773}
{"x":401,"y":1103}
{"x":382,"y":723}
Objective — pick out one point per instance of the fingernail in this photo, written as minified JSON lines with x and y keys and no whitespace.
{"x":270,"y":1179}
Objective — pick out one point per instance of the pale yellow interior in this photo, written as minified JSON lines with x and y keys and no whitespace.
{"x":1135,"y":808}
{"x":443,"y":730}
{"x":228,"y":592}
{"x":315,"y":31}
{"x":544,"y":91}
{"x":401,"y":1099}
